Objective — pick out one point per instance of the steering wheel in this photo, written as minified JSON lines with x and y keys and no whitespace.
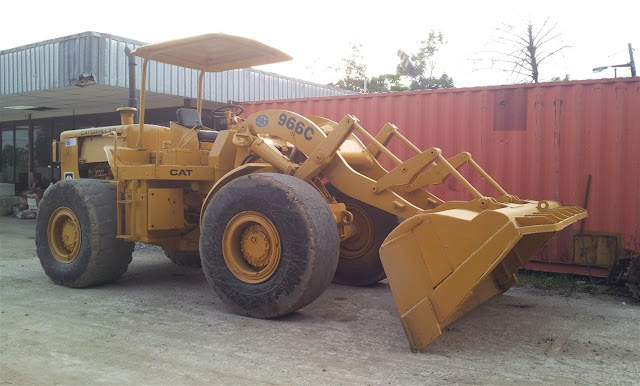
{"x":220,"y":111}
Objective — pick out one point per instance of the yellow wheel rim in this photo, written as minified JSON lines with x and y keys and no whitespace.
{"x":251,"y":247}
{"x":64,"y":235}
{"x":358,"y":245}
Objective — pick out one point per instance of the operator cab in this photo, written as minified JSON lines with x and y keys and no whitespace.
{"x":190,"y":119}
{"x":220,"y":117}
{"x":205,"y":53}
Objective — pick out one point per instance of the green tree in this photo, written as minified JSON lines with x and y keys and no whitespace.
{"x":423,"y":65}
{"x":386,"y":83}
{"x":432,"y":83}
{"x":559,"y":79}
{"x":425,"y":60}
{"x":419,"y":77}
{"x":354,"y":68}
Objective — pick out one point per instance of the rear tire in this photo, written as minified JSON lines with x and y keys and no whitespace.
{"x":295,"y":238}
{"x":188,"y":259}
{"x":359,"y":263}
{"x":76,"y":234}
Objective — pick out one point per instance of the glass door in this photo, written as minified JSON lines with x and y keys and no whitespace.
{"x":7,"y":161}
{"x":42,"y":168}
{"x":21,"y":157}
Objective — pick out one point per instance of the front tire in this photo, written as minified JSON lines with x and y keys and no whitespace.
{"x":76,"y":234}
{"x":269,"y":244}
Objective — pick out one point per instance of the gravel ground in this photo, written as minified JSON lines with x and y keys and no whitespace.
{"x":162,"y":324}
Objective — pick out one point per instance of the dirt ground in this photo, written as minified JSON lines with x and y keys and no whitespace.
{"x":161,"y":324}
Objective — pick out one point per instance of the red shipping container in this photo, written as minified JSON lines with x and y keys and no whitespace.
{"x":538,"y":141}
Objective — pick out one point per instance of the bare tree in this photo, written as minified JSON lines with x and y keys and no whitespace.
{"x":521,"y":51}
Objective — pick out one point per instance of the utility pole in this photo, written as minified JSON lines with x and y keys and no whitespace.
{"x":632,"y":64}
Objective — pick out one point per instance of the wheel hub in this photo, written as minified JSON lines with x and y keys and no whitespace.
{"x":69,"y":234}
{"x":64,"y":235}
{"x":255,"y":246}
{"x":251,"y":247}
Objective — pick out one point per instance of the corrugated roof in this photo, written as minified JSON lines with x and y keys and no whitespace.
{"x":60,"y":62}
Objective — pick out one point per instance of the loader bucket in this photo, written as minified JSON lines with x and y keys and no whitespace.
{"x":441,"y":265}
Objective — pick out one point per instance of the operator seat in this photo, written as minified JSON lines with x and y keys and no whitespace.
{"x":190,"y":118}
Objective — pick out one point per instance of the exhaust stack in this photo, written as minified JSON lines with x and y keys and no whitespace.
{"x":132,"y":101}
{"x":127,"y":115}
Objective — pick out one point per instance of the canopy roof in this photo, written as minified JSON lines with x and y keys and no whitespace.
{"x":212,"y":52}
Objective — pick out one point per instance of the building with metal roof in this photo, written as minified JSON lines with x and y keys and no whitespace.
{"x":78,"y":81}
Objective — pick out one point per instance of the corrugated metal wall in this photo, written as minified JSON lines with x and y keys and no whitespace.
{"x":58,"y":63}
{"x":537,"y":141}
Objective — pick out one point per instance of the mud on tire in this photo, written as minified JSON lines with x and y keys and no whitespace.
{"x":101,"y":257}
{"x":309,"y":244}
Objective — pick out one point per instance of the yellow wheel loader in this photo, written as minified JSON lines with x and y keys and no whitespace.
{"x":277,"y":205}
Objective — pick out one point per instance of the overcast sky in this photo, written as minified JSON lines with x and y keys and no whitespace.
{"x":319,"y":33}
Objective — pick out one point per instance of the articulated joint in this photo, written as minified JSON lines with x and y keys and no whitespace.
{"x":344,"y":220}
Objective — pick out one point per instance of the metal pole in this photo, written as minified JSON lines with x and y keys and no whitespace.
{"x":377,"y":144}
{"x":30,"y":151}
{"x":631,"y":62}
{"x":442,"y":161}
{"x":142,"y":102}
{"x":200,"y":91}
{"x":584,"y":248}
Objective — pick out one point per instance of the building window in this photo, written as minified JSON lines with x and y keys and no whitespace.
{"x":108,"y":119}
{"x":7,"y":162}
{"x":84,"y":121}
{"x":42,"y":165}
{"x":59,"y":125}
{"x":21,"y":156}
